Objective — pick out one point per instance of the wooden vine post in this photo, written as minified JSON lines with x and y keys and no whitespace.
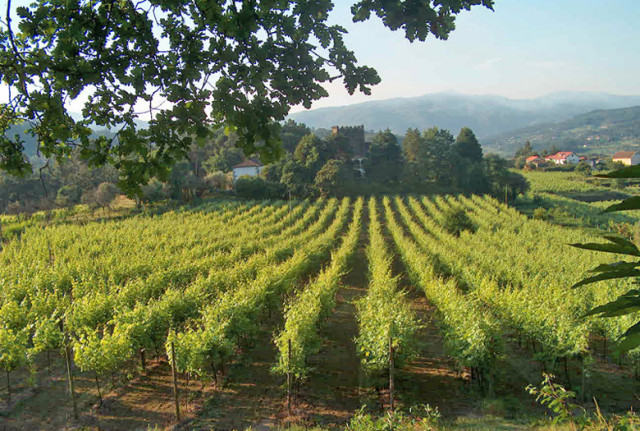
{"x":175,"y":381}
{"x":289,"y":378}
{"x":391,"y":379}
{"x":8,"y":390}
{"x":72,"y":390}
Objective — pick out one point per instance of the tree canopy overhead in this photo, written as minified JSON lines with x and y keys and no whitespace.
{"x":189,"y":65}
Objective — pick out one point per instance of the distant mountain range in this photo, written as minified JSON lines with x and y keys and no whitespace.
{"x":585,"y":122}
{"x":488,"y":116}
{"x":597,"y":132}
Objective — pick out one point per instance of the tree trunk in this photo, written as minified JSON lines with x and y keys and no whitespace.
{"x":98,"y":386}
{"x":215,"y":372}
{"x":566,"y":371}
{"x":175,"y":381}
{"x":143,"y":360}
{"x":8,"y":390}
{"x":49,"y":364}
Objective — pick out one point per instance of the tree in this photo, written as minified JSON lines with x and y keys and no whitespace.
{"x":182,"y":183}
{"x":154,"y":191}
{"x":467,"y":145}
{"x":291,"y":133}
{"x":105,"y":194}
{"x":385,"y":158}
{"x":332,"y":178}
{"x":467,"y":162}
{"x":414,"y":172}
{"x":68,"y":195}
{"x":217,"y":180}
{"x":239,"y":65}
{"x":525,"y":151}
{"x":437,"y":152}
{"x":311,"y":152}
{"x":583,"y":168}
{"x":224,"y":160}
{"x":500,"y":182}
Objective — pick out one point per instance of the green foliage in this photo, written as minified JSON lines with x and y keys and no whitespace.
{"x":307,"y":311}
{"x":540,"y":214}
{"x":213,"y":66}
{"x":105,"y":194}
{"x":13,"y":348}
{"x":422,"y":417}
{"x":68,"y":195}
{"x":556,"y":398}
{"x":47,"y":335}
{"x":627,"y":304}
{"x":467,"y":145}
{"x":102,"y":354}
{"x":429,"y":156}
{"x":501,"y":182}
{"x":291,"y":133}
{"x":257,"y":188}
{"x":583,"y":168}
{"x":332,"y":178}
{"x":311,"y":152}
{"x":224,"y":160}
{"x":384,"y":163}
{"x":154,"y":192}
{"x":456,"y":220}
{"x":525,"y":151}
{"x":384,"y":314}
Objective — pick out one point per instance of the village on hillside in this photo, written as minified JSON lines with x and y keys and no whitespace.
{"x":535,"y":161}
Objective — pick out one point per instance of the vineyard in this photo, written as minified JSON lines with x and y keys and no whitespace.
{"x":230,"y":288}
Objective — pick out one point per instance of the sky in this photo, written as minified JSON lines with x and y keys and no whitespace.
{"x":523,"y":49}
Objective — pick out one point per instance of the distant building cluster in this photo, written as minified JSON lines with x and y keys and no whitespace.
{"x":628,"y":158}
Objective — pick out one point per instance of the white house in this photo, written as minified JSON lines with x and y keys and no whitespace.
{"x":563,"y":158}
{"x":628,"y":158}
{"x":248,"y":167}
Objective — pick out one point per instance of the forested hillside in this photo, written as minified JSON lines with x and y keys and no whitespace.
{"x":487,"y":115}
{"x":601,"y":131}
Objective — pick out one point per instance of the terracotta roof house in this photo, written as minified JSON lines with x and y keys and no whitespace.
{"x":628,"y":158}
{"x":563,"y":157}
{"x":535,"y":160}
{"x":251,"y":168}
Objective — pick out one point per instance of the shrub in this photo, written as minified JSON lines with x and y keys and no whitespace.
{"x":69,"y":195}
{"x":218,"y":180}
{"x":257,"y":188}
{"x":456,"y":220}
{"x":540,"y":214}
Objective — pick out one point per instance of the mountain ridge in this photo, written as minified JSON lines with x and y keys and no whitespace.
{"x":601,"y":131}
{"x":488,"y":115}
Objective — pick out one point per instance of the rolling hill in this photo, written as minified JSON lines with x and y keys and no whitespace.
{"x":486,"y":115}
{"x":596,"y":132}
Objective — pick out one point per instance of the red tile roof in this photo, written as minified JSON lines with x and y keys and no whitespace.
{"x":624,"y":155}
{"x":532,"y":158}
{"x":560,"y":155}
{"x":247,"y":164}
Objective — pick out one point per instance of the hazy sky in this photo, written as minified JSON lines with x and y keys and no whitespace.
{"x":526,"y":48}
